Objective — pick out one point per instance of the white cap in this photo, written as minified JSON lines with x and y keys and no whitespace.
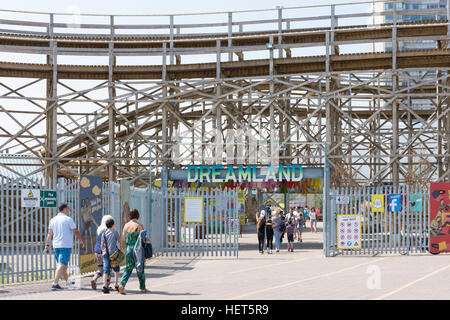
{"x":263,"y":213}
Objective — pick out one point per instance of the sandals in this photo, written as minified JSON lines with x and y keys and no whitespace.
{"x":122,"y":290}
{"x":93,"y":285}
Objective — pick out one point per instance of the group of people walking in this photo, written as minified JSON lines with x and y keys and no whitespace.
{"x":62,"y":227}
{"x":291,"y":224}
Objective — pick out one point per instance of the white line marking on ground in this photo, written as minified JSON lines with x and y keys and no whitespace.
{"x":269,"y":265}
{"x":303,"y":280}
{"x":412,"y":283}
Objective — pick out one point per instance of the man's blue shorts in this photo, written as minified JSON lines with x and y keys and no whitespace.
{"x":62,"y":255}
{"x":107,"y":265}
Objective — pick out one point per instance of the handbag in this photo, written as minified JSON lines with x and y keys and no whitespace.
{"x":148,"y":250}
{"x":116,"y":258}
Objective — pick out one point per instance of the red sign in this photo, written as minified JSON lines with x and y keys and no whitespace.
{"x":439,"y":217}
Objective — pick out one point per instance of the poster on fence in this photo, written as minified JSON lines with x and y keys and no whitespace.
{"x":416,"y":202}
{"x":395,"y":202}
{"x":193,"y":209}
{"x":349,"y":231}
{"x":90,"y":218}
{"x":439,"y":217}
{"x":377,"y":203}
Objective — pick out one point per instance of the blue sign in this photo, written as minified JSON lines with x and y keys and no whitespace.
{"x":395,"y":202}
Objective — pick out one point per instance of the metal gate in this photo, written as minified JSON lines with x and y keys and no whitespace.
{"x":23,"y":231}
{"x":217,"y":234}
{"x":388,"y":232}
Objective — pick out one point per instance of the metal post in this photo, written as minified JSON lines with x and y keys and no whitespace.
{"x":280,"y":31}
{"x":111,"y":112}
{"x":171,"y":41}
{"x":328,"y":215}
{"x":150,"y":182}
{"x":230,"y":35}
{"x":51,"y":118}
{"x":395,"y":164}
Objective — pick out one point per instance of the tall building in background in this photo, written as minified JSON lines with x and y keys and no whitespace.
{"x":434,"y":10}
{"x":409,"y":5}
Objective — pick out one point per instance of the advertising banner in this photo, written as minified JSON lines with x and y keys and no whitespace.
{"x":439,"y":217}
{"x":90,"y":219}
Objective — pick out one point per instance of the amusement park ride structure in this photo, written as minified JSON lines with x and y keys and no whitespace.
{"x":361,"y":108}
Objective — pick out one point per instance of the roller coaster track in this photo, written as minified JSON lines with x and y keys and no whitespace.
{"x":366,"y":105}
{"x":248,"y":68}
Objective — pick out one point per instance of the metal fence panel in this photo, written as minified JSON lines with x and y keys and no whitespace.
{"x":173,"y":236}
{"x":390,"y":232}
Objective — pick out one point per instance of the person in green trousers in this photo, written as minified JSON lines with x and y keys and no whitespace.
{"x":130,"y":235}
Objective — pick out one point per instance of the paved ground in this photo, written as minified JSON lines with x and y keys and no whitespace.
{"x":302,"y":274}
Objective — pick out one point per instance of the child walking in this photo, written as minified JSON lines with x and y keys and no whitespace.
{"x":290,"y":230}
{"x":109,"y":242}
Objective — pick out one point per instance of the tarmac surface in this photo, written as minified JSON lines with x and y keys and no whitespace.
{"x":302,"y":274}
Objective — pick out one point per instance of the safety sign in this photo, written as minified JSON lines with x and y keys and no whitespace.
{"x":35,"y":198}
{"x":349,"y":231}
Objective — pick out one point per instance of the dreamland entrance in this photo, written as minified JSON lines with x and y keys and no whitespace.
{"x":356,"y":221}
{"x":205,"y":205}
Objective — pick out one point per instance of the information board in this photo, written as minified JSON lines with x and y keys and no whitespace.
{"x":36,"y":198}
{"x":193,"y":209}
{"x":349,"y":231}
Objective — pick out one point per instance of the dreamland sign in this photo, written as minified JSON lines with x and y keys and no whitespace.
{"x":250,"y":173}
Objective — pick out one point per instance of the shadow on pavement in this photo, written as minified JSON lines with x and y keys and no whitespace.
{"x":165,"y":293}
{"x":297,"y":245}
{"x":170,"y":268}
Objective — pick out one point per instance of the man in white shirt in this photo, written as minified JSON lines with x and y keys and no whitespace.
{"x":60,"y":229}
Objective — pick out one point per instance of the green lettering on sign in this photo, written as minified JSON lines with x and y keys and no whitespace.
{"x":48,"y":199}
